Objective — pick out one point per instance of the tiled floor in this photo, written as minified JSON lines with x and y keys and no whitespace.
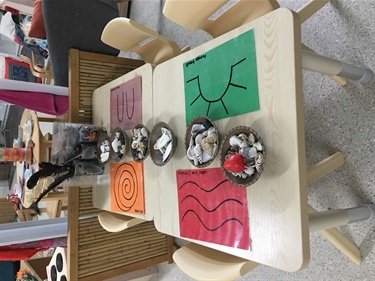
{"x":336,"y":118}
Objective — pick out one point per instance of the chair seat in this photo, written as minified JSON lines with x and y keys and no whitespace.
{"x":113,"y":222}
{"x":202,"y":263}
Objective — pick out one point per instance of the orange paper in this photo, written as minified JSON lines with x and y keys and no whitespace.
{"x":127,"y":193}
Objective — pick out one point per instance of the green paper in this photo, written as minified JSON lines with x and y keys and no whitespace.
{"x":223,"y":81}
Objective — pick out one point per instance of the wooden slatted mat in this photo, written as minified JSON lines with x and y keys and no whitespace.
{"x":87,"y":72}
{"x":93,"y":253}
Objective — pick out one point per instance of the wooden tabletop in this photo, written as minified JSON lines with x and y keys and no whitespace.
{"x":27,"y":115}
{"x":277,"y":202}
{"x":101,"y":116}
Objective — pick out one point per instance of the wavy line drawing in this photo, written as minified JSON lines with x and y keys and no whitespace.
{"x":126,"y":187}
{"x":203,"y":224}
{"x":205,"y":190}
{"x":220,"y":99}
{"x":214,"y":209}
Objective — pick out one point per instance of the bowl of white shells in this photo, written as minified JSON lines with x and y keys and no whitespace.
{"x":162,"y":144}
{"x":103,"y":148}
{"x":242,"y":156}
{"x":119,"y":144}
{"x":201,"y":141}
{"x":139,"y":139}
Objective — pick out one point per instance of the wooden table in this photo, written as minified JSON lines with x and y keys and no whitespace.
{"x":35,"y":137}
{"x":101,"y":116}
{"x":277,"y":202}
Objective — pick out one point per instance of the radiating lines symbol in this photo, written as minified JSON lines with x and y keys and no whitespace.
{"x":221,"y":98}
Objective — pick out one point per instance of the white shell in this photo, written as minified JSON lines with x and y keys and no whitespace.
{"x":167,"y":151}
{"x":143,"y":132}
{"x":258,"y":146}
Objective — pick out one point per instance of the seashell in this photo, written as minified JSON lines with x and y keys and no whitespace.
{"x":205,"y":133}
{"x":197,"y":128}
{"x":134,"y":144}
{"x":199,"y":138}
{"x":259,"y":159}
{"x":234,"y":141}
{"x":163,"y":140}
{"x":249,"y":152}
{"x":166,"y":131}
{"x":143,"y":132}
{"x":258,"y":146}
{"x":104,"y":157}
{"x":115,"y":145}
{"x":212,"y":130}
{"x":206,"y":157}
{"x":243,"y":136}
{"x":207,"y":147}
{"x":259,"y":168}
{"x":250,"y":170}
{"x":198,"y":150}
{"x":140,"y":155}
{"x":212,"y":138}
{"x":167,"y":151}
{"x":251,"y":139}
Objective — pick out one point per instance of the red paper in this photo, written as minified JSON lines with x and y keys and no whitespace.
{"x":212,"y":209}
{"x":126,"y":104}
{"x":127,"y":193}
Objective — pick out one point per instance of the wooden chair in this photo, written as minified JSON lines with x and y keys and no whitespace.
{"x":87,"y":72}
{"x":129,"y":36}
{"x":38,"y":71}
{"x":202,"y":263}
{"x":196,"y":14}
{"x":113,"y":222}
{"x":93,"y":253}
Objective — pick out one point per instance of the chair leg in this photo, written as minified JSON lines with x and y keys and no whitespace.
{"x":333,"y":218}
{"x":317,"y":63}
{"x":341,"y":242}
{"x":310,"y":8}
{"x":339,"y":80}
{"x":324,"y":167}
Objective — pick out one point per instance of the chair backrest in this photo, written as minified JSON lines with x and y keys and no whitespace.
{"x":113,"y":222}
{"x":198,"y":14}
{"x":127,"y":35}
{"x":202,"y":263}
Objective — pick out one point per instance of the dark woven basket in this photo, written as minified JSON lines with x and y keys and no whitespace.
{"x":147,"y":146}
{"x":114,"y":155}
{"x":155,"y":154}
{"x":225,"y":147}
{"x":200,"y":120}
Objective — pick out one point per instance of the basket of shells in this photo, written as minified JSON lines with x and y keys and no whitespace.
{"x":119,"y":143}
{"x":139,"y":143}
{"x":103,"y":148}
{"x":242,"y":156}
{"x":162,"y":144}
{"x":201,"y":141}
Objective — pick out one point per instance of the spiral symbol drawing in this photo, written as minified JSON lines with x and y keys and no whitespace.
{"x":125,"y":189}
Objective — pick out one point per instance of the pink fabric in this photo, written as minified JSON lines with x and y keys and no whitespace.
{"x":41,"y":102}
{"x":25,"y":251}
